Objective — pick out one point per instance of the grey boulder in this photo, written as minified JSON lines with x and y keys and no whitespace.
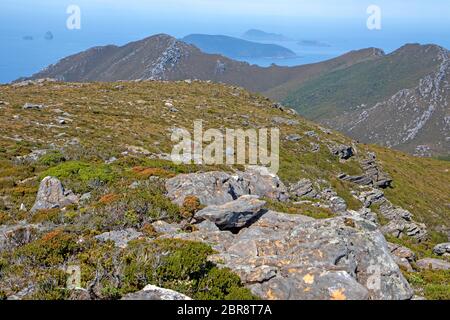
{"x":433,"y":264}
{"x":234,"y":214}
{"x":51,"y":194}
{"x":442,"y":249}
{"x":217,"y":188}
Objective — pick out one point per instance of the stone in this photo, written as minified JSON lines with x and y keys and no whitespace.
{"x":151,"y":292}
{"x":293,"y":137}
{"x":111,"y":160}
{"x":23,"y":208}
{"x":303,"y":188}
{"x":52,"y":195}
{"x":442,"y":249}
{"x":217,"y":188}
{"x":120,"y":237}
{"x":433,"y":264}
{"x":400,"y":228}
{"x":342,"y":151}
{"x":86,"y":197}
{"x":257,"y":180}
{"x":33,"y":156}
{"x":311,"y":134}
{"x":285,"y":121}
{"x":373,"y":196}
{"x":402,"y":256}
{"x":234,"y":214}
{"x":212,"y":188}
{"x":32,"y":106}
{"x":284,"y":256}
{"x":165,"y":228}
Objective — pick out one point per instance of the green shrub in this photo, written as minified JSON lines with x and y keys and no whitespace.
{"x":52,"y":158}
{"x":80,"y":176}
{"x":52,"y":249}
{"x":222,"y":284}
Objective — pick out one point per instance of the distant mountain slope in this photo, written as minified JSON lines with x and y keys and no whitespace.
{"x":399,"y":100}
{"x":259,"y":35}
{"x":162,"y":57}
{"x":237,"y":48}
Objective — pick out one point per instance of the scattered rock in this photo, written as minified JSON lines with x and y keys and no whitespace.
{"x":152,"y":292}
{"x":111,"y":160}
{"x":303,"y":188}
{"x":120,"y":237}
{"x":372,"y":170}
{"x":32,"y":106}
{"x":293,"y":137}
{"x":85,"y":198}
{"x":52,"y":195}
{"x":34,"y":156}
{"x":442,"y":249}
{"x":165,"y":228}
{"x":284,"y":121}
{"x":433,"y":264}
{"x":314,"y":147}
{"x":400,"y":228}
{"x":342,"y":151}
{"x":311,"y":134}
{"x":234,"y":214}
{"x":373,"y":196}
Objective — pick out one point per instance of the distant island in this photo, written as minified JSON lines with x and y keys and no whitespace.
{"x":237,"y":48}
{"x":313,"y":43}
{"x":259,"y":35}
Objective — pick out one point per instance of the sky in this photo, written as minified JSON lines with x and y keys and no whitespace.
{"x":339,"y":23}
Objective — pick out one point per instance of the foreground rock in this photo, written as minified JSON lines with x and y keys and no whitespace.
{"x":442,"y":249}
{"x":217,"y":188}
{"x":151,"y":292}
{"x":52,"y":195}
{"x":433,"y":264}
{"x":234,"y":214}
{"x":284,"y":256}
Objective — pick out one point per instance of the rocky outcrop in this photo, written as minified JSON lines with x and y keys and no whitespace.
{"x":342,"y":151}
{"x":303,"y":188}
{"x":52,"y":195}
{"x":442,"y":249}
{"x":217,"y":188}
{"x":373,"y":174}
{"x":283,"y":256}
{"x":234,"y":214}
{"x":151,"y":292}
